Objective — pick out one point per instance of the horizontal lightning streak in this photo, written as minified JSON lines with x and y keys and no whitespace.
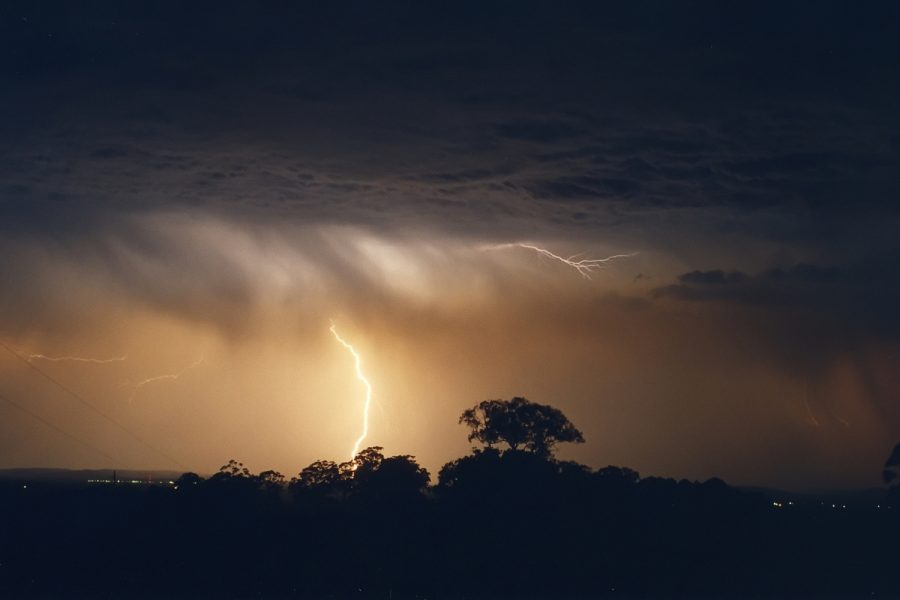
{"x":99,"y":361}
{"x":169,"y":376}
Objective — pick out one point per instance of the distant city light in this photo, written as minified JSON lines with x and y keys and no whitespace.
{"x":131,"y":481}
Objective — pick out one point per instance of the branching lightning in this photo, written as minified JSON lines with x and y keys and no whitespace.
{"x":167,"y":376}
{"x":584,"y":266}
{"x":99,"y":361}
{"x":360,"y":376}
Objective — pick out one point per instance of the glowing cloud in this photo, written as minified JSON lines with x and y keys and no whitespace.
{"x":365,"y":382}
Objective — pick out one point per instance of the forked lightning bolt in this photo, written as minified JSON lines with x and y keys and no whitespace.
{"x":170,"y":376}
{"x":365,"y":382}
{"x":584,"y":266}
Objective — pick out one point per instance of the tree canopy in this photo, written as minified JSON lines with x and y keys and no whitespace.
{"x":520,"y":424}
{"x":891,"y":473}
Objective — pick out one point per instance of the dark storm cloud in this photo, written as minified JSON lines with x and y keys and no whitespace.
{"x":606,"y":107}
{"x":657,"y":129}
{"x":870,"y":285}
{"x":806,"y":318}
{"x":711,"y":277}
{"x":673,"y":125}
{"x":541,"y":132}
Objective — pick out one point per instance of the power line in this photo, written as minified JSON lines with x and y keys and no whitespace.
{"x":101,"y":413}
{"x":57,"y":428}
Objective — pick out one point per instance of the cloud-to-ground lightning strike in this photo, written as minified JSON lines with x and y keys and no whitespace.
{"x":365,"y":382}
{"x":170,"y":376}
{"x":99,"y":361}
{"x":584,"y":266}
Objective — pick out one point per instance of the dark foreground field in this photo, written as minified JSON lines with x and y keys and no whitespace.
{"x":496,"y":525}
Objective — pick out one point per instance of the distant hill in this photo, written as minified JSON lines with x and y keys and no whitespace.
{"x":83,"y":475}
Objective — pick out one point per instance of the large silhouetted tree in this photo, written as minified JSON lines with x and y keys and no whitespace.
{"x":520,"y":424}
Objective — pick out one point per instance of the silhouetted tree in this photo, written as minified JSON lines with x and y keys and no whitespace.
{"x":395,"y":476}
{"x":270,"y":480}
{"x":233,"y":476}
{"x":513,"y":475}
{"x":891,"y":476}
{"x":187,"y":481}
{"x":323,"y":475}
{"x":232,"y":468}
{"x":617,"y":476}
{"x":330,"y":478}
{"x":891,"y":472}
{"x":365,"y":462}
{"x":469,"y":471}
{"x":519,"y":423}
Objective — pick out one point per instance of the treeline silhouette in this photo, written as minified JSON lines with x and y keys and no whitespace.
{"x":507,"y":521}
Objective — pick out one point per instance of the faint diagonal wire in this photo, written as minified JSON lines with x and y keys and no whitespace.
{"x":56,"y":428}
{"x":93,"y":408}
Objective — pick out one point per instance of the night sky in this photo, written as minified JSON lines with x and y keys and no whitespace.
{"x":198,"y":189}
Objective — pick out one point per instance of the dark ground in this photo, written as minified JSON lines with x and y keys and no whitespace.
{"x":497,"y":525}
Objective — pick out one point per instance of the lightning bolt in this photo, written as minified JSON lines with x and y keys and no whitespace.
{"x":584,"y":266}
{"x":360,"y":376}
{"x":167,"y":376}
{"x":99,"y":361}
